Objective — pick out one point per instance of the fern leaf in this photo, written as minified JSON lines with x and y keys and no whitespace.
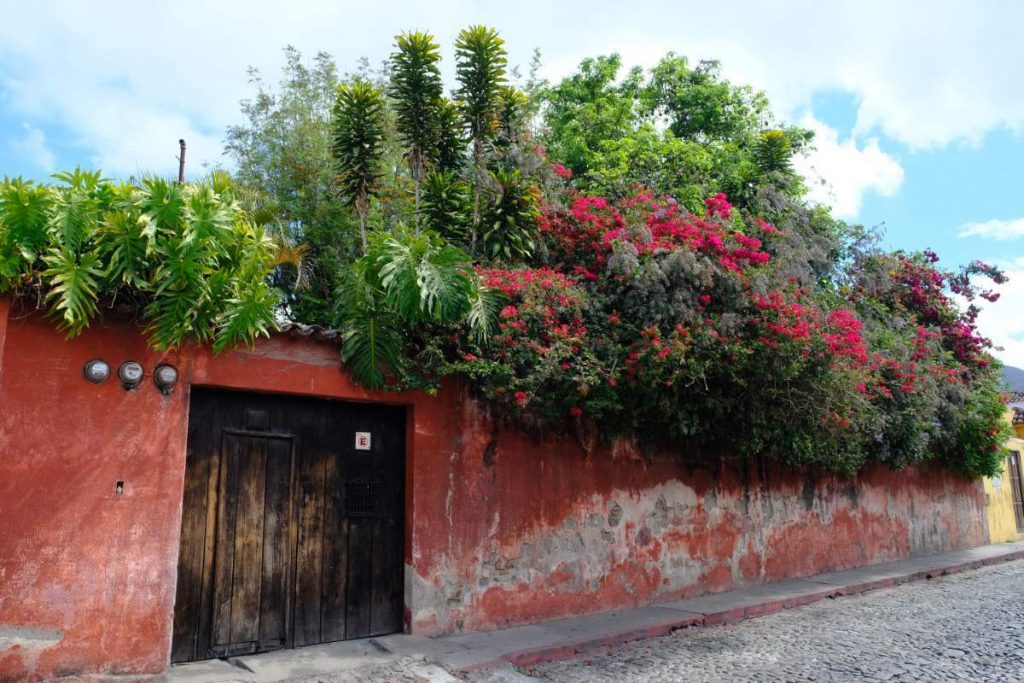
{"x":372,"y":339}
{"x":73,"y":287}
{"x":23,"y":209}
{"x":248,"y":315}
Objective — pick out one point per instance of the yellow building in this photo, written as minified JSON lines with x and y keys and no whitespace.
{"x":1004,"y":494}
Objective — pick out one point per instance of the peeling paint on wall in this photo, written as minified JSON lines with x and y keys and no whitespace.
{"x":619,"y":526}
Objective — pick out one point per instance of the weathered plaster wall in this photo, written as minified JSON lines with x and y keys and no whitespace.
{"x":501,"y":528}
{"x":537,"y":530}
{"x":86,"y":576}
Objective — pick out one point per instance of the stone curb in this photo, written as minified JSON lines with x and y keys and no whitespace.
{"x":572,"y":647}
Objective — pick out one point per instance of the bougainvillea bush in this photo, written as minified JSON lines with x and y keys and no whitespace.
{"x":654,"y":322}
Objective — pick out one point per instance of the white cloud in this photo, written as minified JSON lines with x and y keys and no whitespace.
{"x":841,"y":173}
{"x":994,"y":229}
{"x":925,"y":72}
{"x":1002,"y":321}
{"x":32,"y":147}
{"x":127,"y":79}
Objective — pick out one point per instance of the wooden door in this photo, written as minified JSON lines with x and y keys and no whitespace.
{"x":292,"y":534}
{"x":1017,"y":487}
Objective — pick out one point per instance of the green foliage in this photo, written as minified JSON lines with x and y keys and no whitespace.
{"x":417,"y":96}
{"x":285,"y":178}
{"x":74,"y":287}
{"x":979,"y":430}
{"x":450,"y":150}
{"x":23,"y":210}
{"x":184,"y":257}
{"x":512,"y":112}
{"x":480,"y":69}
{"x":669,"y":271}
{"x":358,"y":146}
{"x":509,"y":228}
{"x":373,"y":341}
{"x":425,"y":278}
{"x":699,"y":104}
{"x":404,"y":282}
{"x":447,"y":206}
{"x":588,"y":109}
{"x":609,"y":130}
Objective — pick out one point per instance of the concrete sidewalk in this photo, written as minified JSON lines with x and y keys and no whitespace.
{"x":431,"y":659}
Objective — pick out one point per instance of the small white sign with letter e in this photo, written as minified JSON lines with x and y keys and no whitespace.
{"x":362,"y":441}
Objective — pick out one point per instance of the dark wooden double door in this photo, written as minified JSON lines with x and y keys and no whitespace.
{"x":290,"y":534}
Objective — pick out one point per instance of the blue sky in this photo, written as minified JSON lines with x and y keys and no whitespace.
{"x":917,"y":105}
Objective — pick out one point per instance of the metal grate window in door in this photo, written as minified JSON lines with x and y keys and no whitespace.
{"x":361,"y":498}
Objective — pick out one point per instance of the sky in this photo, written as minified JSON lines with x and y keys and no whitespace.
{"x":917,"y":106}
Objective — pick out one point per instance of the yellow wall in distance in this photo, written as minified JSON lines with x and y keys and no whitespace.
{"x":1002,"y":525}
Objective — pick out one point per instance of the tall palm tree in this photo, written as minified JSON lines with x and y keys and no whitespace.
{"x":357,"y":145}
{"x":480,"y":68}
{"x":417,"y":94}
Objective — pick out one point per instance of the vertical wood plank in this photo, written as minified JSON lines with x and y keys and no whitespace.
{"x":309,"y":557}
{"x":360,"y":577}
{"x":276,"y":545}
{"x":335,"y":552}
{"x":224,"y":554}
{"x":213,"y":502}
{"x":189,"y":592}
{"x":388,"y":528}
{"x":247,"y":578}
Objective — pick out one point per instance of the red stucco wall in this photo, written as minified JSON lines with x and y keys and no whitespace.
{"x":536,"y":530}
{"x":501,"y":527}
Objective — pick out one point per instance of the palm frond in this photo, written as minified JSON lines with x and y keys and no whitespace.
{"x":484,"y":306}
{"x":74,"y":287}
{"x":23,"y":216}
{"x":125,"y":248}
{"x":247,"y":315}
{"x":372,"y":338}
{"x":163,"y":204}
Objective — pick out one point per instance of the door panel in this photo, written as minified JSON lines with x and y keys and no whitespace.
{"x":251,"y":545}
{"x":275,"y":598}
{"x":290,"y":535}
{"x":1017,"y":488}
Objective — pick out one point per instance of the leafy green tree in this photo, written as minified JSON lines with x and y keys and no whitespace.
{"x":358,"y":130}
{"x":417,"y":96}
{"x":480,"y":68}
{"x":678,"y":130}
{"x":699,"y":104}
{"x":588,"y":109}
{"x":284,"y":175}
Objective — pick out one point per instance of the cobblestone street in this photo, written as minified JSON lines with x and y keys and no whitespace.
{"x":963,"y":627}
